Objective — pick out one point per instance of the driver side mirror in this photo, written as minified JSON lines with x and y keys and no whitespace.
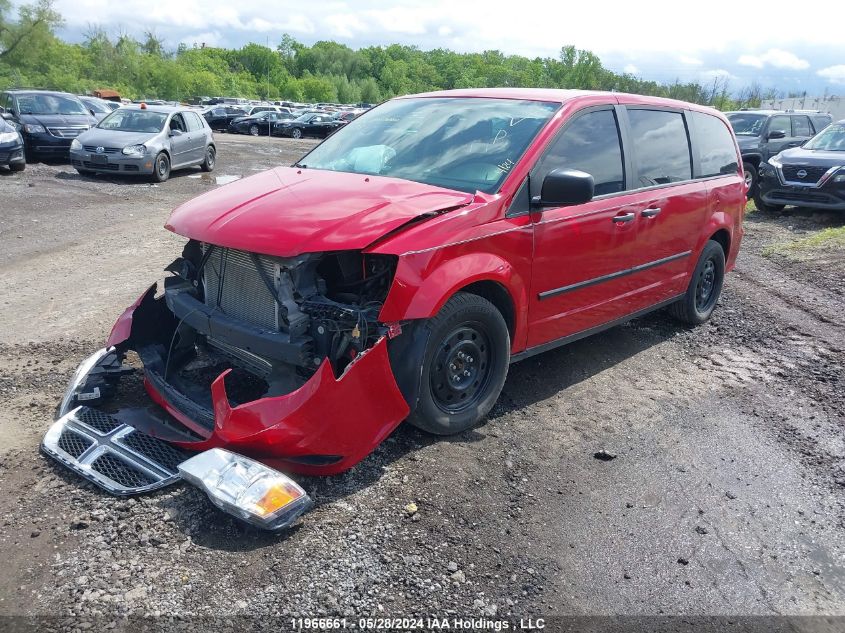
{"x":775,"y":134}
{"x":175,"y":132}
{"x":565,"y":187}
{"x":8,"y":116}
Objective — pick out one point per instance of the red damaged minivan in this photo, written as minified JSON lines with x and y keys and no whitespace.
{"x":397,"y":270}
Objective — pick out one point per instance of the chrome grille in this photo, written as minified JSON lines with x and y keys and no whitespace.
{"x":67,"y":132}
{"x":233,"y":284}
{"x":106,"y":150}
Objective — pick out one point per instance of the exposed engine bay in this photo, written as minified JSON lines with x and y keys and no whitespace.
{"x":269,"y":321}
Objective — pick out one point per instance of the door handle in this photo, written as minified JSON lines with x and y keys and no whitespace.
{"x":651,"y":212}
{"x":624,"y":217}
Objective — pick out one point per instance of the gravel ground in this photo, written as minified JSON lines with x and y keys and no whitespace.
{"x":649,"y":470}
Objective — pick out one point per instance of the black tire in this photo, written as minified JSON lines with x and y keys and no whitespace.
{"x":84,"y":172}
{"x":210,"y":159}
{"x":253,"y":130}
{"x":296,"y":133}
{"x":763,"y":207}
{"x":704,"y":288}
{"x":161,"y":168}
{"x":751,"y":177}
{"x":464,"y":366}
{"x":17,"y":166}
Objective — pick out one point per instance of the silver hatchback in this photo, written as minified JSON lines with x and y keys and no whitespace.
{"x":149,"y":140}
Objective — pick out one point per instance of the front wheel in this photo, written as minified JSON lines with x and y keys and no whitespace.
{"x":750,"y":179}
{"x":253,"y":130}
{"x":161,"y":168}
{"x":464,"y":366}
{"x":765,"y":207}
{"x":704,"y":288}
{"x":296,"y":133}
{"x":17,"y":166}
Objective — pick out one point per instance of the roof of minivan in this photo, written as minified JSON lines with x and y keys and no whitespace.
{"x":554,"y":95}
{"x":156,"y":108}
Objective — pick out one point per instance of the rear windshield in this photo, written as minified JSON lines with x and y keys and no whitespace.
{"x":830,"y":139}
{"x":468,"y":144}
{"x":134,"y":121}
{"x":49,"y":104}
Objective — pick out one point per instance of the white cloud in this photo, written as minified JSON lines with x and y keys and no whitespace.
{"x":631,"y":69}
{"x":717,"y":73}
{"x":775,"y":57}
{"x":344,"y":25}
{"x":834,"y":74}
{"x":690,"y":61}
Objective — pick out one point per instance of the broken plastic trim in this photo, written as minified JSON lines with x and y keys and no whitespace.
{"x":78,"y":380}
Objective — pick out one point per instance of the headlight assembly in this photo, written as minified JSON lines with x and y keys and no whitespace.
{"x":135,"y":150}
{"x":34,"y":128}
{"x":774,"y":162}
{"x":246,"y":489}
{"x":75,"y":145}
{"x":8,"y":137}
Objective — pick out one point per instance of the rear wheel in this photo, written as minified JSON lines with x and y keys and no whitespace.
{"x":210,"y":158}
{"x":464,"y":366}
{"x":161,"y":168}
{"x":765,"y":207}
{"x":296,"y":133}
{"x":704,"y":288}
{"x":750,"y":179}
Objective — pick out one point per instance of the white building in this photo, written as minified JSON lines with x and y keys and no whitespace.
{"x":833,"y":104}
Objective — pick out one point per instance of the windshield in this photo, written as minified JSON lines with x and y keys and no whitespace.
{"x":96,"y":106}
{"x":49,"y":104}
{"x":134,"y":121}
{"x":831,"y":139}
{"x":747,"y":123}
{"x":468,"y":144}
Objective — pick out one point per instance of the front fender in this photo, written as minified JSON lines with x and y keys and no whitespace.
{"x":423,"y":284}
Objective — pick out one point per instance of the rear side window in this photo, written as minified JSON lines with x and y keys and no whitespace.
{"x":820,"y":122}
{"x":193,"y":121}
{"x":716,"y":150}
{"x":590,"y":144}
{"x":801,"y":126}
{"x":661,"y":147}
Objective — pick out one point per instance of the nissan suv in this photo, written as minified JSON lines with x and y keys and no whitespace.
{"x":763,"y":133}
{"x":47,"y":120}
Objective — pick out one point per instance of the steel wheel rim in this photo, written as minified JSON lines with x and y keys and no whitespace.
{"x":704,"y":290}
{"x":162,"y":166}
{"x":461,"y":369}
{"x":748,"y":179}
{"x":209,"y":157}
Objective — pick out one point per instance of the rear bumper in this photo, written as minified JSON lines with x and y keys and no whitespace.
{"x":324,"y":427}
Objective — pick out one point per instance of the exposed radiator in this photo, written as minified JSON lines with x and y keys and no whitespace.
{"x":233,"y":284}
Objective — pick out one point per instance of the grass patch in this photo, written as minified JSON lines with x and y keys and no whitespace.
{"x":750,"y":207}
{"x":806,"y":247}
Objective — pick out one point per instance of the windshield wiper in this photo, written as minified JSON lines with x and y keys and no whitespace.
{"x":300,"y":165}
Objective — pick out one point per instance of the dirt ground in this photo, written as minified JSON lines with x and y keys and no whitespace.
{"x":726,"y":495}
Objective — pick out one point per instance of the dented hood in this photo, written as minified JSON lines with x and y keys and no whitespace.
{"x":287,"y":211}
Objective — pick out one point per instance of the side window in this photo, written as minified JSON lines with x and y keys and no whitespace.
{"x":820,"y":122}
{"x":591,"y":144}
{"x":801,"y":126}
{"x":661,"y":147}
{"x":176,"y":123}
{"x":193,"y":121}
{"x":780,"y":123}
{"x":715,"y":145}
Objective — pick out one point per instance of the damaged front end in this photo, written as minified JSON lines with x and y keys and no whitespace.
{"x":278,"y":359}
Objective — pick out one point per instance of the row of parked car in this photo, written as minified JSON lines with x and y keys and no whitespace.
{"x":149,"y":139}
{"x":277,"y":120}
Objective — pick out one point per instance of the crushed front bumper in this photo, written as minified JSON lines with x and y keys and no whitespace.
{"x":324,"y":427}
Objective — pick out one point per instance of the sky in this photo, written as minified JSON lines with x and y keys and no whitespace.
{"x":788,"y":45}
